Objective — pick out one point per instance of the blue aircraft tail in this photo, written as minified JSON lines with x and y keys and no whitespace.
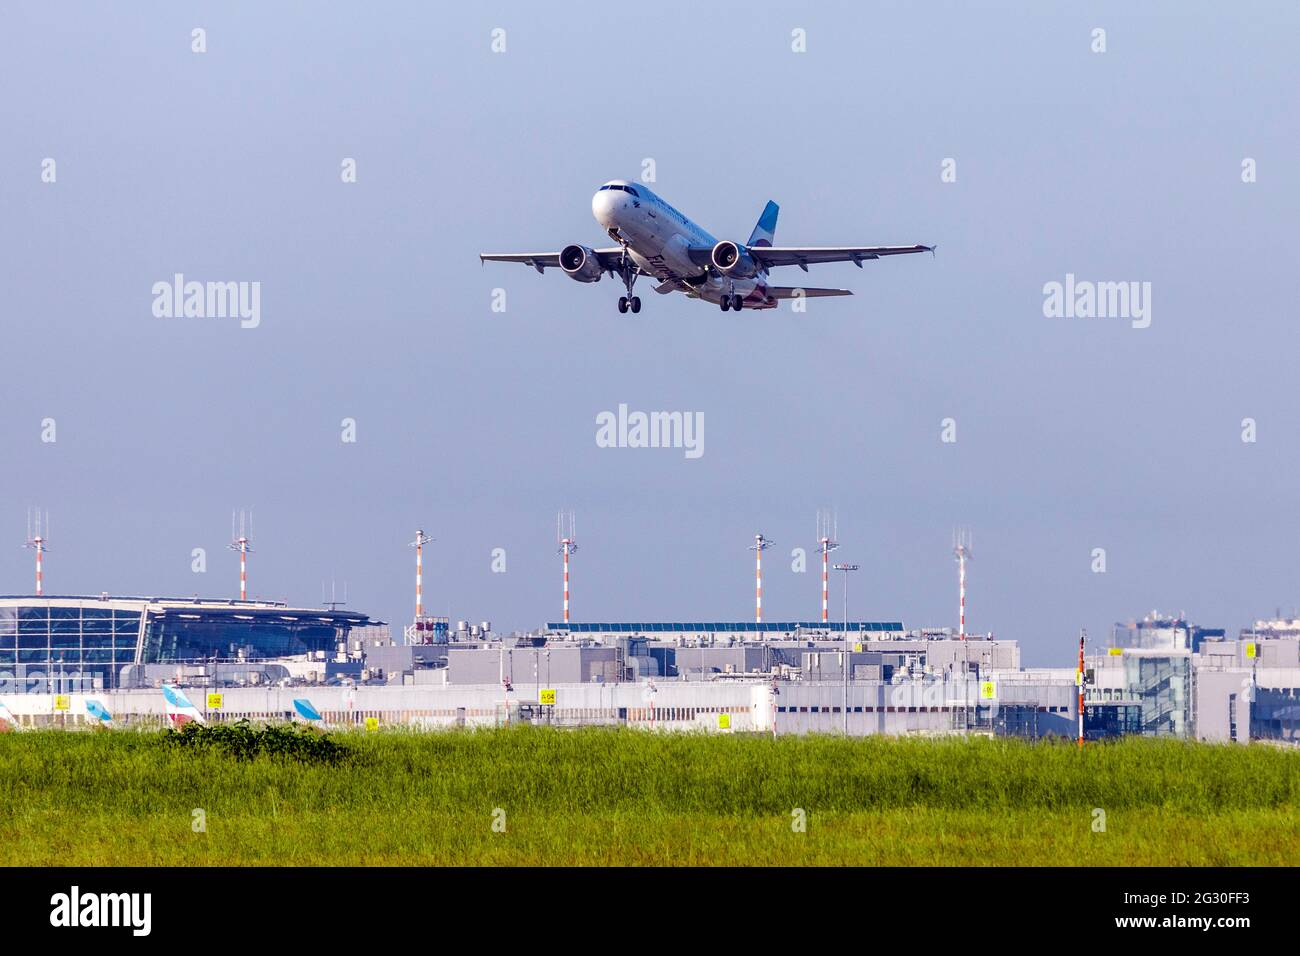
{"x":305,"y":710}
{"x":765,"y":231}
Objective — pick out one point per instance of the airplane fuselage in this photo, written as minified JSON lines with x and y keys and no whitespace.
{"x":658,"y":239}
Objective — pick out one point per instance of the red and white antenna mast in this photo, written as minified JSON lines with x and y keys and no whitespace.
{"x":760,"y":545}
{"x":961,"y":549}
{"x":240,"y":542}
{"x":1079,"y":681}
{"x":567,"y":536}
{"x":421,"y":539}
{"x":826,"y":543}
{"x":38,"y":542}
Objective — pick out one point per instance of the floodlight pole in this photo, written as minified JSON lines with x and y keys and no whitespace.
{"x":1082,"y":635}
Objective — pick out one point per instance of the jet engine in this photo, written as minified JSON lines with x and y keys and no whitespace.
{"x":580,"y":263}
{"x":733,"y":260}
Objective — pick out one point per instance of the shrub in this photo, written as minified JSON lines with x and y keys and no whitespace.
{"x":245,"y":741}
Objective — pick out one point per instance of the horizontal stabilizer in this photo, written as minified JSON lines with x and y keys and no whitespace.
{"x":793,"y":292}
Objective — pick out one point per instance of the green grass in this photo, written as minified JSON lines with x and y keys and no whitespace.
{"x":625,"y":797}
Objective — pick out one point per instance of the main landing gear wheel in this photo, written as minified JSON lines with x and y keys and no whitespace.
{"x":724,"y":303}
{"x":737,"y":302}
{"x":628,"y":271}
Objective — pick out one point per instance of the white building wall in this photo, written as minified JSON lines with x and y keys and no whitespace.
{"x":719,"y":706}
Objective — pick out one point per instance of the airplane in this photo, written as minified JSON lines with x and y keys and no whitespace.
{"x":657,"y":241}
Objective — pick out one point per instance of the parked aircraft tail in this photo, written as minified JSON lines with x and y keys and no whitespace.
{"x":7,"y":719}
{"x":97,"y":710}
{"x":179,"y":709}
{"x":304,"y":709}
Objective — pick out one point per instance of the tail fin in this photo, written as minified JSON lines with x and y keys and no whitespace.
{"x":765,"y":231}
{"x":306,"y":711}
{"x":97,"y":710}
{"x":7,"y":720}
{"x":179,"y":709}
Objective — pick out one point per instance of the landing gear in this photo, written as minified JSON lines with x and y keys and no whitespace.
{"x":737,"y":302}
{"x":628,"y":271}
{"x":724,"y":303}
{"x":733,"y":301}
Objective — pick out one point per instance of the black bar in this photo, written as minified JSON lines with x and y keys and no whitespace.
{"x":509,"y":908}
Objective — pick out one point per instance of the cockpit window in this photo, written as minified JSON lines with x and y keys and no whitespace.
{"x":632,"y":191}
{"x":620,"y":188}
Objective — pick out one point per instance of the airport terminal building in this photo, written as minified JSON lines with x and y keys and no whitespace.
{"x":255,"y":659}
{"x":87,"y":643}
{"x":1162,"y":678}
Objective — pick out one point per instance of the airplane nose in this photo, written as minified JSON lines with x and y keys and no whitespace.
{"x":604,"y":207}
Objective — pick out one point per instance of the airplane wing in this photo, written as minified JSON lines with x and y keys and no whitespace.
{"x":792,"y":292}
{"x":541,"y":261}
{"x":804,"y":256}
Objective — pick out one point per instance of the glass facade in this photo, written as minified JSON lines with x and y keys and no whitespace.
{"x":70,"y":645}
{"x":46,"y":648}
{"x":1275,"y":714}
{"x":1102,"y":718}
{"x":1163,"y":685}
{"x":234,"y":637}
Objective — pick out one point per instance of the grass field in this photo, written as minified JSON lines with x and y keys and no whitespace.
{"x":626,"y":797}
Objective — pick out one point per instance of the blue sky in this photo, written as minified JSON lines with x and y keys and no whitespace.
{"x":1073,"y":434}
